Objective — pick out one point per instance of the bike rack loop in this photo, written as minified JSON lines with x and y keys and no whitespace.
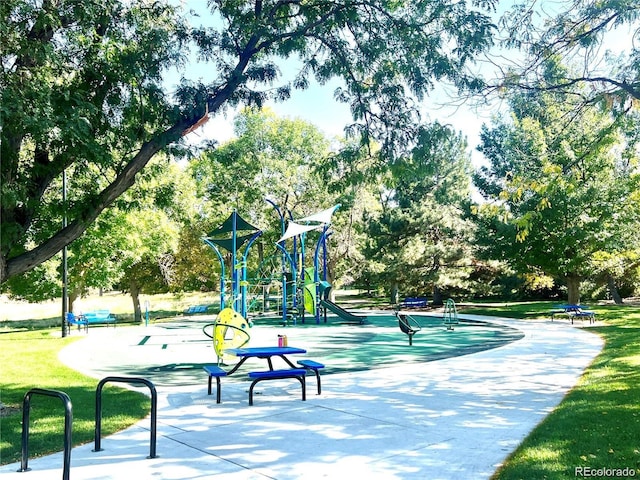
{"x":154,"y":410}
{"x":68,"y":421}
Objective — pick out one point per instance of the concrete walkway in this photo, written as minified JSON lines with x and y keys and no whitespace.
{"x":456,"y":418}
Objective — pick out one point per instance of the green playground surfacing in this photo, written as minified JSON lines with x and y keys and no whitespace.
{"x":378,"y":343}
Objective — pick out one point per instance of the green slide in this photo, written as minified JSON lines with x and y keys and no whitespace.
{"x":342,"y":313}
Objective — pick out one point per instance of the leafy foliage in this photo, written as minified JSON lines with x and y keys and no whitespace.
{"x":82,"y":87}
{"x":598,"y":38}
{"x":419,"y":239}
{"x":562,"y":180}
{"x":81,"y":92}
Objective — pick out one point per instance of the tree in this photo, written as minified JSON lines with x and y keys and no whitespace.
{"x":420,"y":240}
{"x":82,"y":87}
{"x":598,"y":38}
{"x":270,"y":157}
{"x":274,"y":158}
{"x":135,"y":239}
{"x":563,"y":186}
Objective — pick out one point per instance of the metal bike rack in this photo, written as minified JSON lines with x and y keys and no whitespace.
{"x":68,"y":421}
{"x":154,"y":409}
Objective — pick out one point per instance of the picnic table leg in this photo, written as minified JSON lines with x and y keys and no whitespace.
{"x":237,"y":366}
{"x":287,"y":361}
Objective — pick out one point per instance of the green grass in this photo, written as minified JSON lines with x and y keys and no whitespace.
{"x":30,"y":360}
{"x":597,"y":425}
{"x":17,"y":315}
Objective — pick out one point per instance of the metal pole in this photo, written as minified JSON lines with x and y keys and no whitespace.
{"x":65,"y":295}
{"x":283,"y":263}
{"x":68,"y":427}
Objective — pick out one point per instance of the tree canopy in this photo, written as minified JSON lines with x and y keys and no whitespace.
{"x":563,"y":184}
{"x":599,"y":39}
{"x":83,"y":92}
{"x":417,"y":238}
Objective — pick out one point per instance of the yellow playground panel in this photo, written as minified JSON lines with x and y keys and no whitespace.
{"x":231,"y":330}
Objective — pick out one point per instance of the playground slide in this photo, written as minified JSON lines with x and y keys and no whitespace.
{"x":342,"y":313}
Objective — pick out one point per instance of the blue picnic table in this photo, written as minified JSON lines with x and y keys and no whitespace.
{"x":263,"y":352}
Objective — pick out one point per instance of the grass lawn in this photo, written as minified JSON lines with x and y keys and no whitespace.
{"x":597,"y":425}
{"x":30,"y":359}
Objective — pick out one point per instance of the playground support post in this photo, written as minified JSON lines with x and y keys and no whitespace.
{"x":284,"y":262}
{"x":222,"y":272}
{"x":244,"y":273}
{"x":322,"y":243}
{"x":287,"y":258}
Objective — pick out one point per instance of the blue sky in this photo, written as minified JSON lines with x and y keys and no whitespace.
{"x":317,"y":105}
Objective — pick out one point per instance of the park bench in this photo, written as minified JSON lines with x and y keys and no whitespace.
{"x":79,"y":321}
{"x":415,"y":302}
{"x":297,"y":373}
{"x":214,"y":371}
{"x":582,"y":314}
{"x":573,"y":311}
{"x":99,"y":317}
{"x":196,"y":309}
{"x":313,"y":366}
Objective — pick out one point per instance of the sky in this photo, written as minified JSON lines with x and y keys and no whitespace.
{"x":317,"y":106}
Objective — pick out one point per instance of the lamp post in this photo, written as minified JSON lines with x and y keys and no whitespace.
{"x":64,"y":256}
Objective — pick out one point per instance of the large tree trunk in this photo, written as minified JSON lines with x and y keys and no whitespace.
{"x":395,"y":292}
{"x":26,"y":261}
{"x":613,"y":290}
{"x":437,"y":296}
{"x":73,"y":296}
{"x":573,"y":289}
{"x":135,"y":296}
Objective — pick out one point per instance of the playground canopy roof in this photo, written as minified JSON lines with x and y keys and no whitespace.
{"x":319,"y":219}
{"x":323,"y":217}
{"x":294,"y":229}
{"x":228,"y":243}
{"x":233,"y":222}
{"x":231,"y":225}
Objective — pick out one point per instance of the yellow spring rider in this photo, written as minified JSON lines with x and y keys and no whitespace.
{"x":230,"y":330}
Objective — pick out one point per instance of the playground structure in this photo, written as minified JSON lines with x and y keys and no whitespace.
{"x":220,"y":238}
{"x":230,"y":330}
{"x":303,"y":289}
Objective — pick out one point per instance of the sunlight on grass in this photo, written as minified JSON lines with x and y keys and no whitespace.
{"x":30,"y":360}
{"x":596,"y":425}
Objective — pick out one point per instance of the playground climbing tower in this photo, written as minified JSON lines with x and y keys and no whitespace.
{"x":313,"y":279}
{"x":234,"y":234}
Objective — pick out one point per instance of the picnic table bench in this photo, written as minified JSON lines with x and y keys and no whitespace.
{"x":299,"y":373}
{"x":573,"y":311}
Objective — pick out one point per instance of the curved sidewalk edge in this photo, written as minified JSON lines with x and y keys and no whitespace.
{"x":456,"y":418}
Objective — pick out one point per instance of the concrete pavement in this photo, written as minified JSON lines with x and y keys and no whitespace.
{"x":456,"y":418}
